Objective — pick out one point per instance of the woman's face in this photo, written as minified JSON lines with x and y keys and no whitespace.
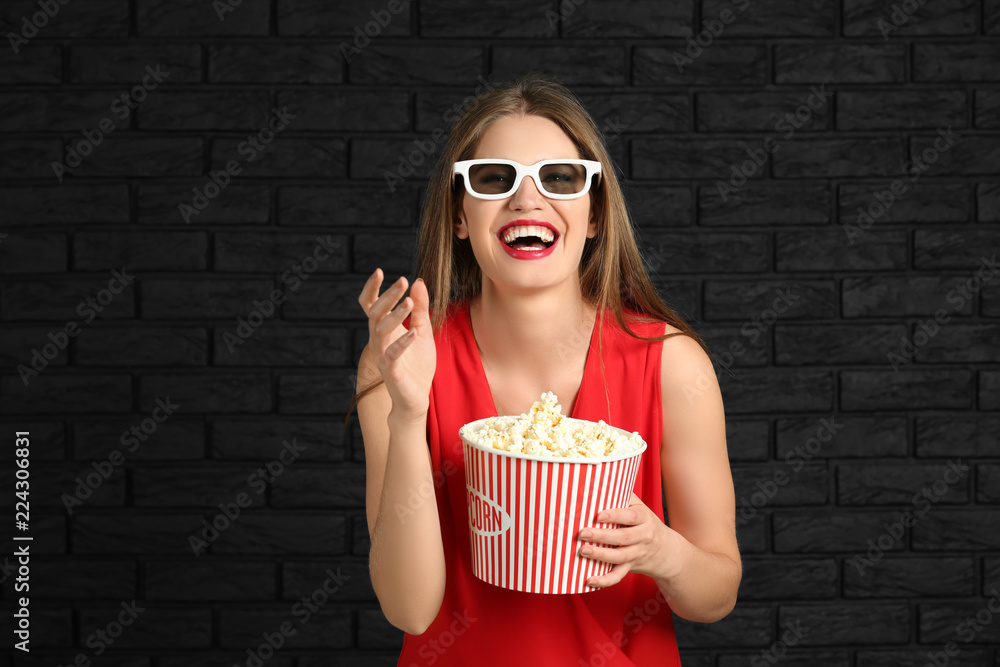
{"x":526,"y":140}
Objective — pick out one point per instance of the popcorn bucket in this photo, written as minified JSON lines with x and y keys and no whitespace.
{"x":526,"y":513}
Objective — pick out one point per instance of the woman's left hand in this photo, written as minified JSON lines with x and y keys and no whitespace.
{"x":642,"y":543}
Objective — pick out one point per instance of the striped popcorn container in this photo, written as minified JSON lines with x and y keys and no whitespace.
{"x":526,"y":513}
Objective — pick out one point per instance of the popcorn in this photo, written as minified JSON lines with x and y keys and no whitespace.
{"x":544,"y":431}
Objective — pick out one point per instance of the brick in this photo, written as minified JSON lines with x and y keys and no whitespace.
{"x":126,"y":63}
{"x":302,"y":393}
{"x":928,"y":202}
{"x":887,"y":296}
{"x":747,"y":625}
{"x":834,"y":343}
{"x":833,"y":250}
{"x":59,"y":299}
{"x":229,"y":110}
{"x":890,"y":110}
{"x":263,"y":440}
{"x":236,"y":204}
{"x":52,"y":392}
{"x":911,"y":577}
{"x":394,"y":160}
{"x":308,"y":19}
{"x":205,"y":487}
{"x":905,"y":389}
{"x":201,"y":298}
{"x":48,"y":437}
{"x":297,"y":256}
{"x":42,"y":68}
{"x":652,"y":206}
{"x":839,"y":63}
{"x":54,"y":628}
{"x":761,"y":485}
{"x":284,"y":533}
{"x":68,"y":489}
{"x":988,"y":483}
{"x":217,"y":580}
{"x":174,"y":439}
{"x":967,"y":156}
{"x":571,"y":65}
{"x":29,"y":158}
{"x":33,"y":253}
{"x":842,"y":624}
{"x":376,"y":633}
{"x":650,"y":112}
{"x":135,"y":156}
{"x":828,"y":158}
{"x":955,"y":62}
{"x":939,"y":622}
{"x":881,"y":17}
{"x":918,"y":658}
{"x":780,"y":113}
{"x":774,"y":18}
{"x":348,"y":579}
{"x":341,"y":207}
{"x":747,"y":440}
{"x":766,"y":390}
{"x":987,"y":106}
{"x":155,"y":627}
{"x":813,"y":657}
{"x":989,"y":390}
{"x":743,"y":252}
{"x":342,"y":487}
{"x":281,"y":346}
{"x":768,"y":300}
{"x":115,"y":533}
{"x":36,"y":205}
{"x":736,"y":348}
{"x":48,"y":111}
{"x":98,"y":18}
{"x":520,"y":18}
{"x":646,"y":18}
{"x":852,"y":437}
{"x":360,"y":539}
{"x":955,"y":436}
{"x":186,"y":18}
{"x":955,"y":530}
{"x":718,"y":65}
{"x":958,"y":343}
{"x":204,"y":392}
{"x":991,"y":17}
{"x":147,"y":251}
{"x":264,"y":62}
{"x":870,"y":484}
{"x":817,"y":531}
{"x":756,"y":203}
{"x":347,"y":111}
{"x":327,"y":300}
{"x":691,"y":158}
{"x":393,"y":253}
{"x":772,"y":578}
{"x":84,"y":580}
{"x":285,"y":157}
{"x":326,"y":628}
{"x":991,"y":573}
{"x":423,"y":64}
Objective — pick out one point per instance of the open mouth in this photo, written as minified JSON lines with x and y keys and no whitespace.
{"x":530,"y":243}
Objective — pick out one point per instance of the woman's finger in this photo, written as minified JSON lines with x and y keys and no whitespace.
{"x":369,"y":293}
{"x":395,"y":318}
{"x":395,"y":350}
{"x":384,"y":304}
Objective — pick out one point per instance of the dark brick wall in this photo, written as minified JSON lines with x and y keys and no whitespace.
{"x":832,"y":437}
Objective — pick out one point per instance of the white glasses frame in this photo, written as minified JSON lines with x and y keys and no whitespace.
{"x":461,"y":168}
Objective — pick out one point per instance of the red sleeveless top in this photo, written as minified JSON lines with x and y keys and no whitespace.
{"x":628,"y":624}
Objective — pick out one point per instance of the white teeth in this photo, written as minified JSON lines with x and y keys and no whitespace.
{"x":544,"y":233}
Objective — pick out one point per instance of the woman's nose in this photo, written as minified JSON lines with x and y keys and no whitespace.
{"x":527,"y":195}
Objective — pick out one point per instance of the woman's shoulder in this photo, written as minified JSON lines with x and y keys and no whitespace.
{"x":647,"y":325}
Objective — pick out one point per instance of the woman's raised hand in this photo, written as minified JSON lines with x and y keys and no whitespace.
{"x":406,"y":359}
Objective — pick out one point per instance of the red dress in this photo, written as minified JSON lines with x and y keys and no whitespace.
{"x":628,"y":624}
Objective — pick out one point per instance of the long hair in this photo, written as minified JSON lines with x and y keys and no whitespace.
{"x":612,"y":273}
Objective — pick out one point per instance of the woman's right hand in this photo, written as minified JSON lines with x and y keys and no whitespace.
{"x":406,"y":360}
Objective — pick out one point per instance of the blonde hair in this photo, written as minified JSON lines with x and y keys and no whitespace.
{"x":612,"y":273}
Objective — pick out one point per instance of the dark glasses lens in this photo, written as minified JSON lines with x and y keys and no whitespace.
{"x":556,"y":178}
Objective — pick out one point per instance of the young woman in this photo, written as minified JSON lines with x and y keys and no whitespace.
{"x":529,"y":257}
